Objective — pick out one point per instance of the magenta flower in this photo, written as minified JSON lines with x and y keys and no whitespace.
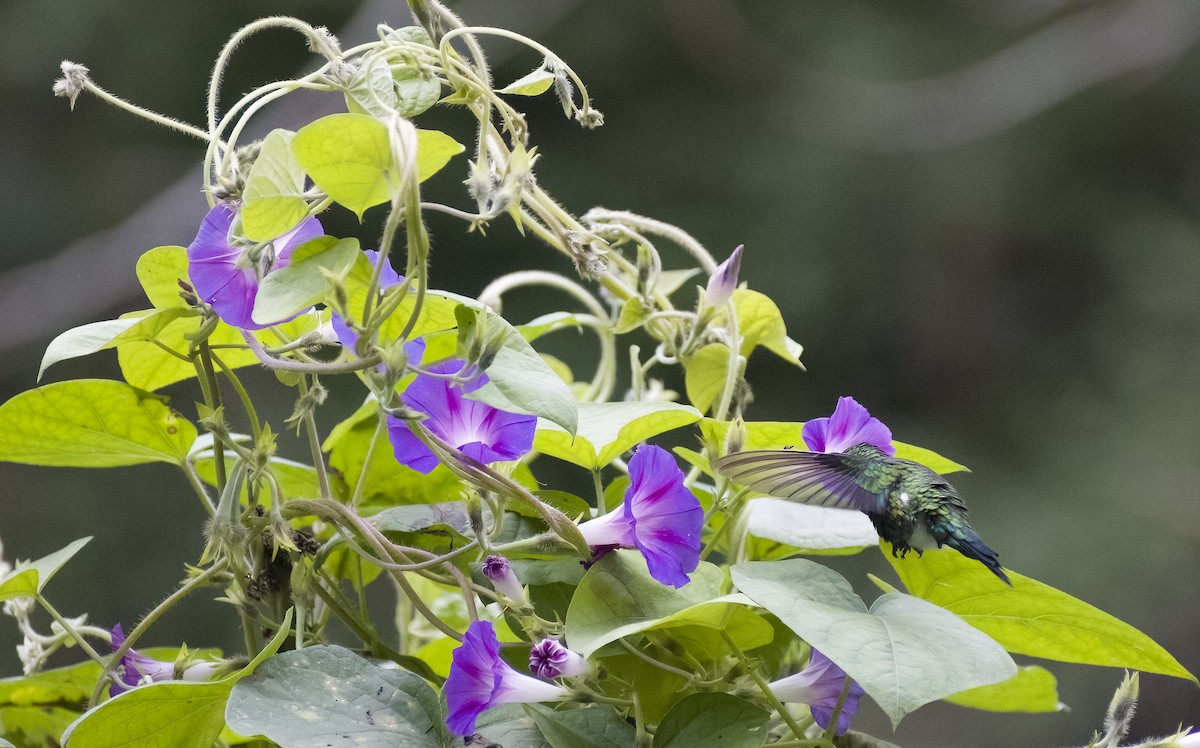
{"x":478,"y":430}
{"x":850,"y":424}
{"x":550,"y":659}
{"x":724,"y":280}
{"x":500,"y":574}
{"x":660,"y":517}
{"x":819,"y":685}
{"x":136,"y":669}
{"x":222,"y":273}
{"x":388,"y":277}
{"x":480,"y":680}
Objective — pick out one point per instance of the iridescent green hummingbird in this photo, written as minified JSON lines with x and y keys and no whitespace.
{"x":911,"y":506}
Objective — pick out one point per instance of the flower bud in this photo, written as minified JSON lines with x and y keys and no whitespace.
{"x":550,"y":659}
{"x":735,"y":438}
{"x":502,"y":577}
{"x":724,"y":279}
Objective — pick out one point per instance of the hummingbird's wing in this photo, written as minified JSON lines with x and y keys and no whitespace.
{"x":820,"y":478}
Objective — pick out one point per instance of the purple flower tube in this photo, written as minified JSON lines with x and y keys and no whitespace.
{"x":136,"y":669}
{"x":819,"y":685}
{"x":480,"y":680}
{"x":660,"y":517}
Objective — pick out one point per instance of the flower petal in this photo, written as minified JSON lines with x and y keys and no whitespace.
{"x":287,"y":242}
{"x":408,"y":449}
{"x":388,"y":276}
{"x":850,"y":424}
{"x":819,"y":685}
{"x":135,"y":667}
{"x":667,"y":517}
{"x":473,"y":679}
{"x":477,"y":429}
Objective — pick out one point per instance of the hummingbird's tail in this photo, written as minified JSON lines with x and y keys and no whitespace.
{"x":972,"y":546}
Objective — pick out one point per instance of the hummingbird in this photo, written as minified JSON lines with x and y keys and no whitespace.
{"x":911,"y":506}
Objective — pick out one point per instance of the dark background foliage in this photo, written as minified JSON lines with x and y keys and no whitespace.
{"x":981,"y":218}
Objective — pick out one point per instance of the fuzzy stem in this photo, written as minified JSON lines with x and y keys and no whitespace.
{"x":131,"y":638}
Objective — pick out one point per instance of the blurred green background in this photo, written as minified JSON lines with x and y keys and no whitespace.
{"x":980,"y":217}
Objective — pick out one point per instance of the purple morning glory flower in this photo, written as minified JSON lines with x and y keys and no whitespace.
{"x":136,"y":669}
{"x":388,"y":277}
{"x":724,"y":280}
{"x":221,"y":272}
{"x":819,"y":685}
{"x":550,"y":659}
{"x":850,"y":424}
{"x":660,"y":517}
{"x":477,"y":429}
{"x":480,"y":680}
{"x":502,"y":577}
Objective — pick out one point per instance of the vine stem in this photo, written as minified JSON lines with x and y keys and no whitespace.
{"x":155,"y":117}
{"x":654,"y":226}
{"x":776,"y":704}
{"x":369,"y":534}
{"x":597,"y":483}
{"x":380,"y":426}
{"x":831,"y":728}
{"x":247,"y":403}
{"x":214,"y":85}
{"x":193,"y":477}
{"x":305,"y":367}
{"x":87,"y":648}
{"x":314,"y":443}
{"x":654,"y":661}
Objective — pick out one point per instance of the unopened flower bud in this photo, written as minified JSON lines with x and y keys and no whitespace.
{"x":735,"y":439}
{"x":550,"y":659}
{"x":502,"y":577}
{"x":724,"y":279}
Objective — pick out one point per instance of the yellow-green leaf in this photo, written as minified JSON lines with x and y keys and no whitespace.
{"x":304,"y":280}
{"x":633,"y":314}
{"x":348,"y":157}
{"x":704,"y":375}
{"x":608,"y":429}
{"x":92,"y":423}
{"x":761,"y":323}
{"x":1030,"y":617}
{"x":147,"y":366}
{"x":928,"y":458}
{"x":29,"y":577}
{"x":537,"y":82}
{"x":1032,"y":689}
{"x":434,"y":151}
{"x":159,"y":270}
{"x":273,"y":199}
